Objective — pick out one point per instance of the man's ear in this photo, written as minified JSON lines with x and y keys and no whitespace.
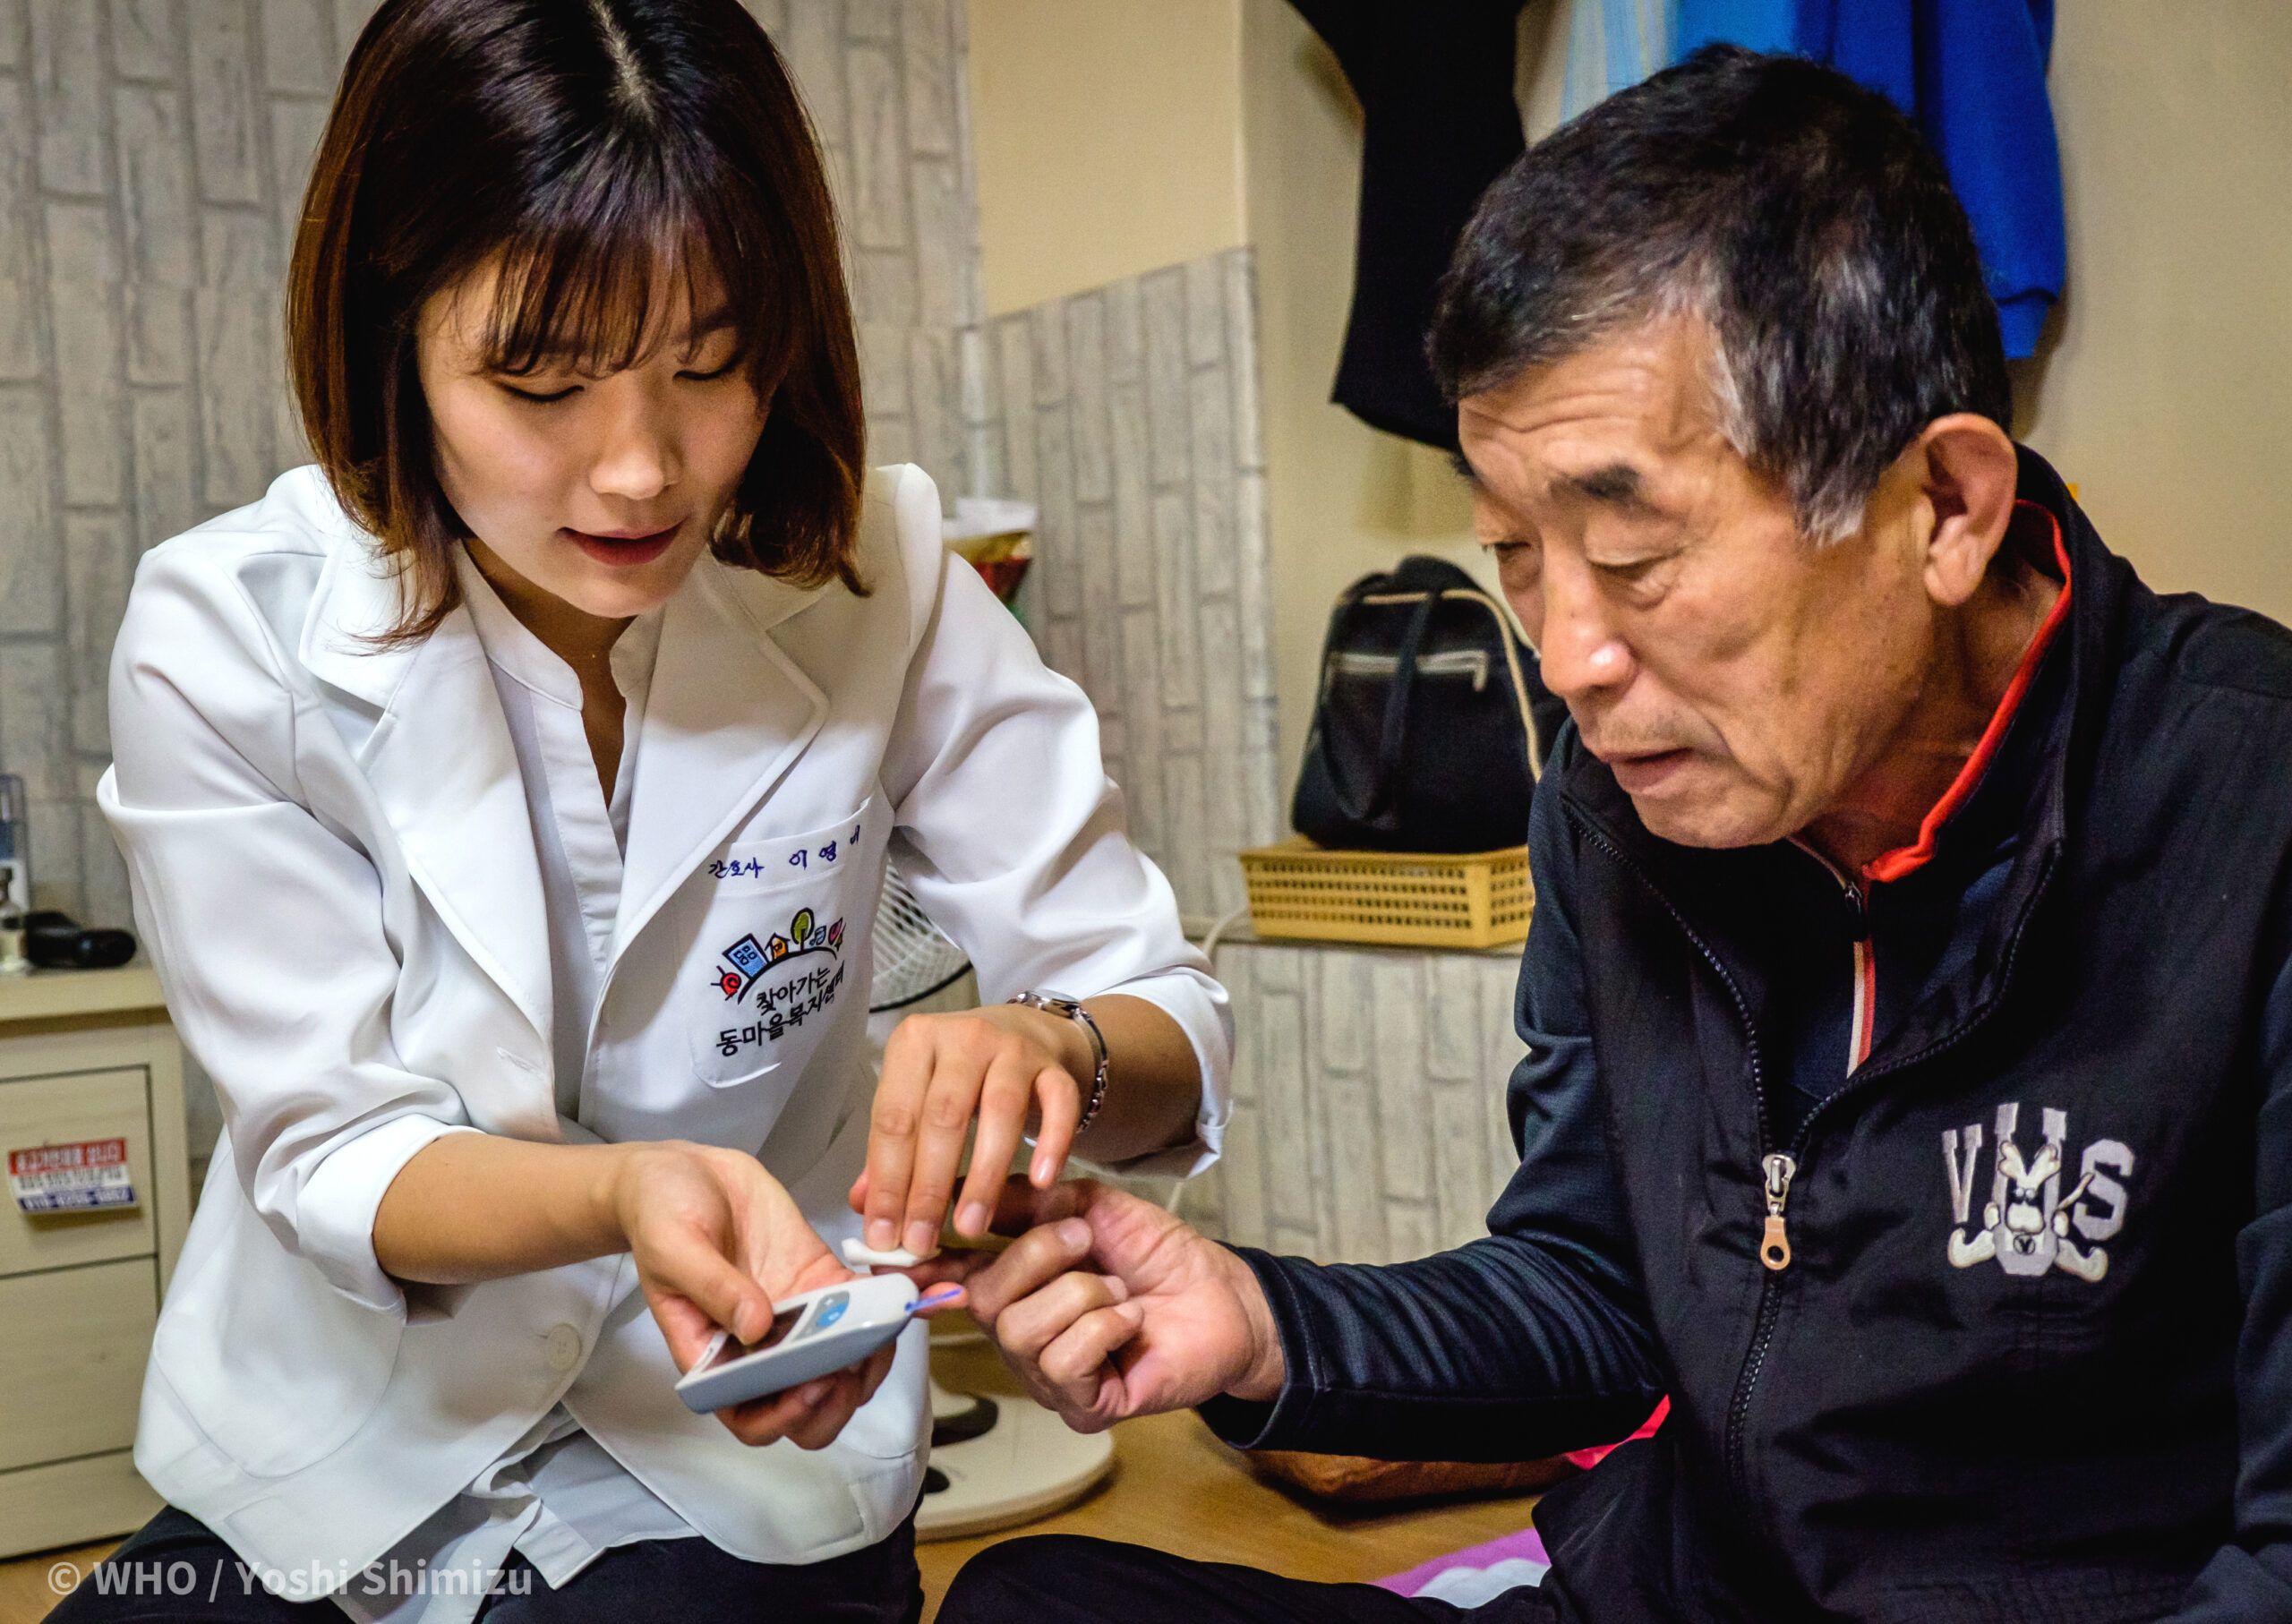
{"x":1966,"y":471}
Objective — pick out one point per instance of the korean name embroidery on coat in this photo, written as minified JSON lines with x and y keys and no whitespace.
{"x":2028,"y":1224}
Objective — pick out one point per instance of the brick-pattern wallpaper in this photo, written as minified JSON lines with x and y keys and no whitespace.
{"x":152,"y":158}
{"x":1369,"y":1122}
{"x":1129,"y":414}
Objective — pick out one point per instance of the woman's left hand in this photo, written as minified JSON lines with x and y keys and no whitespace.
{"x":997,"y":1063}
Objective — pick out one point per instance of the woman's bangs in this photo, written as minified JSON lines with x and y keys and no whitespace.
{"x":595,"y":284}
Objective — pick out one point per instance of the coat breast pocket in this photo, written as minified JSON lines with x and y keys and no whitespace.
{"x":787,"y":919}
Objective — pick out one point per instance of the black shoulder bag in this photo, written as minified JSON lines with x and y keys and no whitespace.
{"x":1425,"y":732}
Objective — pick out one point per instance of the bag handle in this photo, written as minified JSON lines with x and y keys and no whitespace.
{"x":1394,"y":733}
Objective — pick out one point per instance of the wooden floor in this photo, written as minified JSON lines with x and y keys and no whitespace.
{"x":1174,"y":1486}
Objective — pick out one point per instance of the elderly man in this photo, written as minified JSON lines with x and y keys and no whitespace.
{"x":1909,"y":1084}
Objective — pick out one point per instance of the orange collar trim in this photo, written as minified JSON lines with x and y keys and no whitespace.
{"x":1890,"y":866}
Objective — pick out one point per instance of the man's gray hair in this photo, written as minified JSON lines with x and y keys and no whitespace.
{"x":1802,"y":217}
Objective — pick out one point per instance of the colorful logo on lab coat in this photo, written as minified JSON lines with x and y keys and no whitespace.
{"x":746,"y":958}
{"x":784,"y":994}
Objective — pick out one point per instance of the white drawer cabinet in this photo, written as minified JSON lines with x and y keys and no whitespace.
{"x":83,"y":1056}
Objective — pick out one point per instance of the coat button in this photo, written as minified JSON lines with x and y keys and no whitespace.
{"x":564,"y":1348}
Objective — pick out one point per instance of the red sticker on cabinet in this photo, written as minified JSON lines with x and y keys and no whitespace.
{"x":82,"y":1178}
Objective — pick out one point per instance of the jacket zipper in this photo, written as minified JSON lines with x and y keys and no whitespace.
{"x":1779,"y":1168}
{"x":1775,"y":1246}
{"x":1769,"y":1293}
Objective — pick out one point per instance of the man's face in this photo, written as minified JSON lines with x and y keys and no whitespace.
{"x":1735,"y":677}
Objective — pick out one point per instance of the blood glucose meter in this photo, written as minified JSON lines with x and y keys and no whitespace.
{"x":811,"y":1335}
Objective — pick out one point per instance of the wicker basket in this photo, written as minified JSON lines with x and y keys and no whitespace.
{"x":1397,"y":898}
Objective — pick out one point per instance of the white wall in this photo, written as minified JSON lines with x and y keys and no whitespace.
{"x":2167,"y":393}
{"x":1108,"y":137}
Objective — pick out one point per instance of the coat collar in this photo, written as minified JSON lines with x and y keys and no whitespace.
{"x":440,"y":762}
{"x":728,"y":714}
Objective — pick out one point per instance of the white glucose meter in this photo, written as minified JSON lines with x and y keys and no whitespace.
{"x":811,"y":1335}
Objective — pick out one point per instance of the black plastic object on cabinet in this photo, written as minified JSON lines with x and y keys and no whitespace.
{"x":1440,"y":124}
{"x":1431,"y":723}
{"x":58,"y":941}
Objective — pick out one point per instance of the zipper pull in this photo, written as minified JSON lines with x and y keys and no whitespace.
{"x":1858,"y":912}
{"x":1775,"y":1246}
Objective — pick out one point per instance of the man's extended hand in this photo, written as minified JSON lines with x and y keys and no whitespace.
{"x":1110,"y":1307}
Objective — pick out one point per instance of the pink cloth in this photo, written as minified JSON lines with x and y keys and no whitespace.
{"x":1525,"y":1545}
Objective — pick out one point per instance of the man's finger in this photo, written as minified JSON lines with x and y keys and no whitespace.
{"x":956,"y":1267}
{"x":1028,"y":1326}
{"x":684,"y":1326}
{"x":1022,"y":1207}
{"x":1081,"y":1354}
{"x":689,"y":1266}
{"x":1026,"y":1266}
{"x":766,"y":1420}
{"x":829,"y":1413}
{"x":961,"y":1075}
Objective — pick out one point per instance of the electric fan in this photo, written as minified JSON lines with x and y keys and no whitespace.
{"x":913,"y":957}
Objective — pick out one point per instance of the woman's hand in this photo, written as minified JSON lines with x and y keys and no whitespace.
{"x":717,"y":1241}
{"x":715,"y":1238}
{"x":1000,"y":1064}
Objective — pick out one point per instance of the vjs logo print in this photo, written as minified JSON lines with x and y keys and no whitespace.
{"x":746,"y":958}
{"x":2029,"y":1222}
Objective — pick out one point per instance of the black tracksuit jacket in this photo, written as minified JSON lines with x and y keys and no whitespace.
{"x":2029,"y":1358}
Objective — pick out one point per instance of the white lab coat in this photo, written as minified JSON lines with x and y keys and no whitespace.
{"x":334,"y":871}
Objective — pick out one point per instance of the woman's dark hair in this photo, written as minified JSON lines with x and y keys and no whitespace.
{"x":1801,"y":215}
{"x":597,"y":149}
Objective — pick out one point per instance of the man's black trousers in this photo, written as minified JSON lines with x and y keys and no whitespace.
{"x":1064,"y":1579}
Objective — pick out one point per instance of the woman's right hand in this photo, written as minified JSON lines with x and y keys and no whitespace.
{"x":717,"y":1240}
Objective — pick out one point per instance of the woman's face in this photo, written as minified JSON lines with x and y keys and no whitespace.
{"x":600,"y":491}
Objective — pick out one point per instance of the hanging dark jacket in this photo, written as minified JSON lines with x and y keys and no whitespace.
{"x":1439,"y":124}
{"x":2028,"y":1360}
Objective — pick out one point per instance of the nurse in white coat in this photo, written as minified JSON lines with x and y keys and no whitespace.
{"x":506,"y":799}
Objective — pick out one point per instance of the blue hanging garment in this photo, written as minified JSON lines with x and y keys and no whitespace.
{"x":1971,"y":71}
{"x":1756,"y":25}
{"x":1612,"y":44}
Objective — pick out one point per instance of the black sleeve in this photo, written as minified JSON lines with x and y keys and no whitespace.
{"x":1530,"y":1342}
{"x":2250,"y":1578}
